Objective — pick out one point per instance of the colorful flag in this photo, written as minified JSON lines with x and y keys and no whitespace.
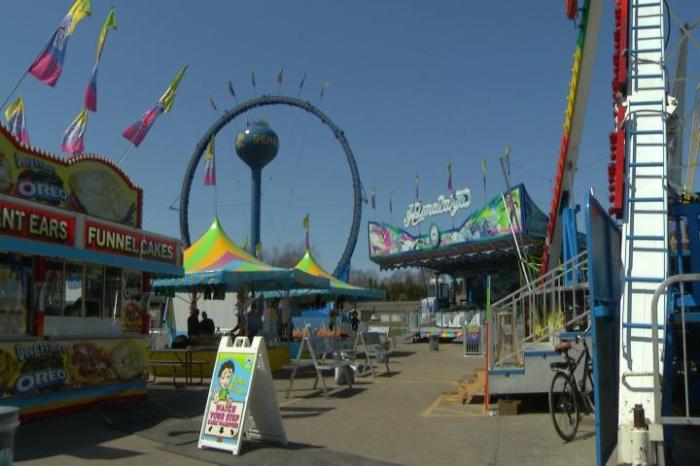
{"x":231,"y":89}
{"x":391,"y":207}
{"x":91,"y":91}
{"x":302,"y":82}
{"x":48,"y":65}
{"x":280,"y":73}
{"x":449,"y":177}
{"x":74,"y":137}
{"x":210,"y":165}
{"x":324,"y":87}
{"x":213,"y":104}
{"x":16,"y":121}
{"x":139,"y":129}
{"x":168,"y":97}
{"x":305,"y":223}
{"x":374,"y":198}
{"x":417,"y":184}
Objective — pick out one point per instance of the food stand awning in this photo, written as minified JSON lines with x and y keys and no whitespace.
{"x":215,"y":261}
{"x":337,"y":287}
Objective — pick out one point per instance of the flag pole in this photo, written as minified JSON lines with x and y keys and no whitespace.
{"x":14,"y":89}
{"x":26,"y":72}
{"x":125,"y":154}
{"x":216,"y":202}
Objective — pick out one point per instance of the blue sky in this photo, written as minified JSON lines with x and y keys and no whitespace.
{"x":414,"y":85}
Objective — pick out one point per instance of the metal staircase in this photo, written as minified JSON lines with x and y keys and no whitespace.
{"x":526,"y":323}
{"x":644,"y":231}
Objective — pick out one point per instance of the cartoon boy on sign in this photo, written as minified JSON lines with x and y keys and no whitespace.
{"x":225,"y":374}
{"x":223,"y":419}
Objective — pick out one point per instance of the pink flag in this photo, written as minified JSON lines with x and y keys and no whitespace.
{"x":74,"y":137}
{"x":210,"y":165}
{"x":138,"y":131}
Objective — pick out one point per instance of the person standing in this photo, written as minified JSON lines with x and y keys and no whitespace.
{"x":354,"y":320}
{"x":193,"y":324}
{"x":254,"y":321}
{"x":206,"y":326}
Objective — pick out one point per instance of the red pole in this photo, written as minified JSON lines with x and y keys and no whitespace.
{"x":486,"y":370}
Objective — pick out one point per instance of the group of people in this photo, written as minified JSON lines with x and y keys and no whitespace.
{"x":270,"y":318}
{"x":196,"y":327}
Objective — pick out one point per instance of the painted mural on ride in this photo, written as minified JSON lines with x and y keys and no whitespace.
{"x":488,"y":223}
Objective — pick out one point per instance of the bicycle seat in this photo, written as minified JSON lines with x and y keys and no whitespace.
{"x":562,"y":347}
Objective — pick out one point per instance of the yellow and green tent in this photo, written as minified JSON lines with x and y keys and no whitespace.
{"x":216,"y":261}
{"x":336,"y":287}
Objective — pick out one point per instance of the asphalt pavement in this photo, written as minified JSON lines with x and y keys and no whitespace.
{"x":392,"y":418}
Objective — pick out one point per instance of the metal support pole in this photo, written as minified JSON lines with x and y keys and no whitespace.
{"x":256,"y":175}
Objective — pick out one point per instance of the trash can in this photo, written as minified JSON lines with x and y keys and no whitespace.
{"x":343,"y":374}
{"x":9,"y":421}
{"x":434,"y":342}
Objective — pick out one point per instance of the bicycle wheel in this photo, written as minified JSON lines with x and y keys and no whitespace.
{"x":563,"y":406}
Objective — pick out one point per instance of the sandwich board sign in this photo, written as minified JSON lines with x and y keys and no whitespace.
{"x":242,"y":403}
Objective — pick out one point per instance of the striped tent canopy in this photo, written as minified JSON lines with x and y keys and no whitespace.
{"x":216,"y":261}
{"x":337,"y":287}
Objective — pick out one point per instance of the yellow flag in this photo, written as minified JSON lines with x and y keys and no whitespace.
{"x":80,"y":10}
{"x":168,"y":97}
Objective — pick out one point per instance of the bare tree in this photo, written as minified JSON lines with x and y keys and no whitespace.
{"x":287,"y":255}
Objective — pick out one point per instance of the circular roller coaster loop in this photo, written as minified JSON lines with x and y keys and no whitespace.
{"x":264,"y":101}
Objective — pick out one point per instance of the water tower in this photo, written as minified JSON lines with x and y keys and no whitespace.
{"x":256,"y":145}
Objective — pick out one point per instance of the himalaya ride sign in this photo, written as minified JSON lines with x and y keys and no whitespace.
{"x":242,"y":402}
{"x":417,"y":212}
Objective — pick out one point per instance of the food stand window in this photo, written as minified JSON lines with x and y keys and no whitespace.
{"x":73,"y":304}
{"x":15,"y":274}
{"x":52,"y":289}
{"x":94,"y":288}
{"x":132,"y":303}
{"x":112,"y":296}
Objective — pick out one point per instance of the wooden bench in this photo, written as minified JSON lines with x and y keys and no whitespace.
{"x":187,"y":365}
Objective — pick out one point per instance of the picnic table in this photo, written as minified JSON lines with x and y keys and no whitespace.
{"x":182,"y":359}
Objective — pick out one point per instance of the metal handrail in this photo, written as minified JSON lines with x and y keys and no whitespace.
{"x":550,"y":283}
{"x":542,"y":279}
{"x":685,"y":277}
{"x":539,"y":339}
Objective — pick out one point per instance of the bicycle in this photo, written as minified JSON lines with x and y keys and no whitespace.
{"x":569,"y":398}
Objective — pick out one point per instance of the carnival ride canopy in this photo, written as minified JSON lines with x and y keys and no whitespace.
{"x":336,"y":287}
{"x":483,"y":241}
{"x":215,"y":262}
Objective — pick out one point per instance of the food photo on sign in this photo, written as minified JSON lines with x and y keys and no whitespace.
{"x":81,"y":184}
{"x":32,"y":368}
